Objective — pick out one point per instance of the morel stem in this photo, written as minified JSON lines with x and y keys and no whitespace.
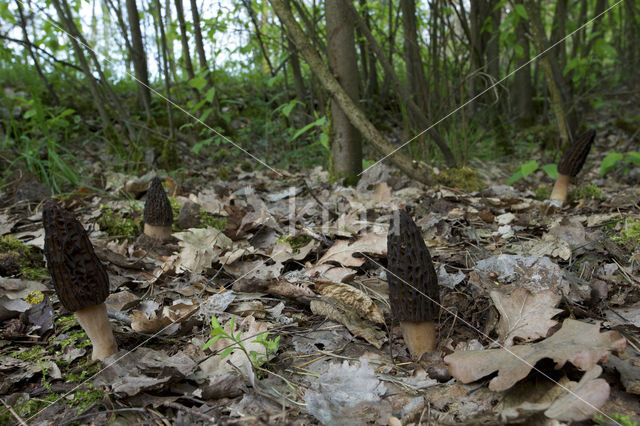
{"x":560,"y":188}
{"x":157,"y":232}
{"x":95,"y":322}
{"x":420,"y":337}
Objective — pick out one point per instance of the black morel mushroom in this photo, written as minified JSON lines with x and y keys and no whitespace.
{"x":158,"y":215}
{"x":570,"y":164}
{"x":80,"y":280}
{"x":413,"y":284}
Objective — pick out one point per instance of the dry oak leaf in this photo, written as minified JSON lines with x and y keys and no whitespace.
{"x":585,"y":399}
{"x":525,"y":315}
{"x":199,"y":248}
{"x":342,"y":251}
{"x":580,"y":343}
{"x":346,"y":315}
{"x":352,"y":297}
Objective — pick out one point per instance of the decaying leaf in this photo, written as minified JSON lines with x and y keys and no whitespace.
{"x":352,"y":297}
{"x":577,"y":342}
{"x":339,"y":312}
{"x":525,"y":315}
{"x":342,"y":251}
{"x":199,"y":248}
{"x":584,"y":400}
{"x":152,"y":322}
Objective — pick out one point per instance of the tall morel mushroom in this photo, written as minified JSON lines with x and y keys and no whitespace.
{"x":158,"y":215}
{"x":570,"y":165}
{"x":413,"y":284}
{"x":80,"y":280}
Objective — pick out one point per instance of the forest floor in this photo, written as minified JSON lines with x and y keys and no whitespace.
{"x":548,"y":300}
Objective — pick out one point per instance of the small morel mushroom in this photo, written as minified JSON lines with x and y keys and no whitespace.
{"x":413,"y":284}
{"x":80,"y":280}
{"x":569,"y":166}
{"x":158,"y":215}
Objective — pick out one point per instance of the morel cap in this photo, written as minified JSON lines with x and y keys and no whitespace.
{"x":574,"y":157}
{"x":409,"y":262}
{"x":80,"y":280}
{"x":157,"y":208}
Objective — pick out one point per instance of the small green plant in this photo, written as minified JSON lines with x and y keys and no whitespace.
{"x":115,"y":224}
{"x":630,"y":232}
{"x":529,"y":167}
{"x":589,"y":191}
{"x":614,"y":159}
{"x":257,"y":359}
{"x":463,"y":178}
{"x":209,"y":220}
{"x":542,"y":193}
{"x":599,"y":419}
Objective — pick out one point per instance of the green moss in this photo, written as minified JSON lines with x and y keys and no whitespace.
{"x":463,"y":178}
{"x":28,"y":258}
{"x":26,"y":408}
{"x":630,"y":232}
{"x":599,"y":419}
{"x":590,"y":192}
{"x":88,"y":370}
{"x":296,"y":243}
{"x":542,"y":193}
{"x":224,"y":173}
{"x":220,"y":155}
{"x":246,"y":166}
{"x":117,"y":225}
{"x":34,"y":354}
{"x":208,"y":220}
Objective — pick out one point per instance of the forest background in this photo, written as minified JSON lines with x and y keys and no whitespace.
{"x":142,"y":84}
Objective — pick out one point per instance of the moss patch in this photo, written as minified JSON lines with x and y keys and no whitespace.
{"x":19,"y":259}
{"x":208,"y":220}
{"x":117,"y":225}
{"x":463,"y":178}
{"x":590,"y":192}
{"x":224,"y":173}
{"x":542,"y":193}
{"x":296,"y":243}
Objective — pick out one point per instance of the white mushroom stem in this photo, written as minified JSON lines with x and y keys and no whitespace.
{"x":420,"y":337}
{"x":560,"y":188}
{"x":157,"y":232}
{"x":95,"y":322}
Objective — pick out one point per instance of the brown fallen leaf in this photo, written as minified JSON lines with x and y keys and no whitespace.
{"x":339,"y":312}
{"x":577,"y":342}
{"x":586,"y":397}
{"x":352,"y":297}
{"x":525,"y":315}
{"x":342,"y":251}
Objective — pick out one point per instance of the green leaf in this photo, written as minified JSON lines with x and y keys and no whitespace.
{"x":211,"y":342}
{"x":517,"y":175}
{"x":521,"y":11}
{"x":198,"y":82}
{"x":551,"y":170}
{"x":227,"y":351}
{"x":210,"y":94}
{"x":319,"y":122}
{"x":632,"y":157}
{"x":609,"y":162}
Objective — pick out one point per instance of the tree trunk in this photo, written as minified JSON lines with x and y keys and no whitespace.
{"x":184,"y":39}
{"x":401,"y":91}
{"x":139,"y":58}
{"x":551,"y":73}
{"x":346,"y":147}
{"x":355,"y":114}
{"x":523,"y":92}
{"x":34,"y":58}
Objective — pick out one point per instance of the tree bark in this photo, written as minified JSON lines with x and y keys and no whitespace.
{"x":350,"y":108}
{"x":346,"y":147}
{"x":184,"y":39}
{"x":139,"y":59}
{"x":523,"y":92}
{"x":401,"y":91}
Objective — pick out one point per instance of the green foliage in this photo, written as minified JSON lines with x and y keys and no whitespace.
{"x":615,"y":159}
{"x":542,"y":193}
{"x":209,"y":220}
{"x":255,"y":358}
{"x":623,"y":420}
{"x":463,"y":178}
{"x":116,"y":224}
{"x":589,"y":191}
{"x":529,"y":167}
{"x":296,"y":243}
{"x":630,"y":232}
{"x":224,"y":172}
{"x":27,"y":259}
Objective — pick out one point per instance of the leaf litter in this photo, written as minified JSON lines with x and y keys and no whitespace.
{"x":305,"y":263}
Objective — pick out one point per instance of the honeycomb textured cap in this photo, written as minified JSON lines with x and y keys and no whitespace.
{"x":157,"y":208}
{"x":409,"y":261}
{"x":574,"y":157}
{"x":80,"y":280}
